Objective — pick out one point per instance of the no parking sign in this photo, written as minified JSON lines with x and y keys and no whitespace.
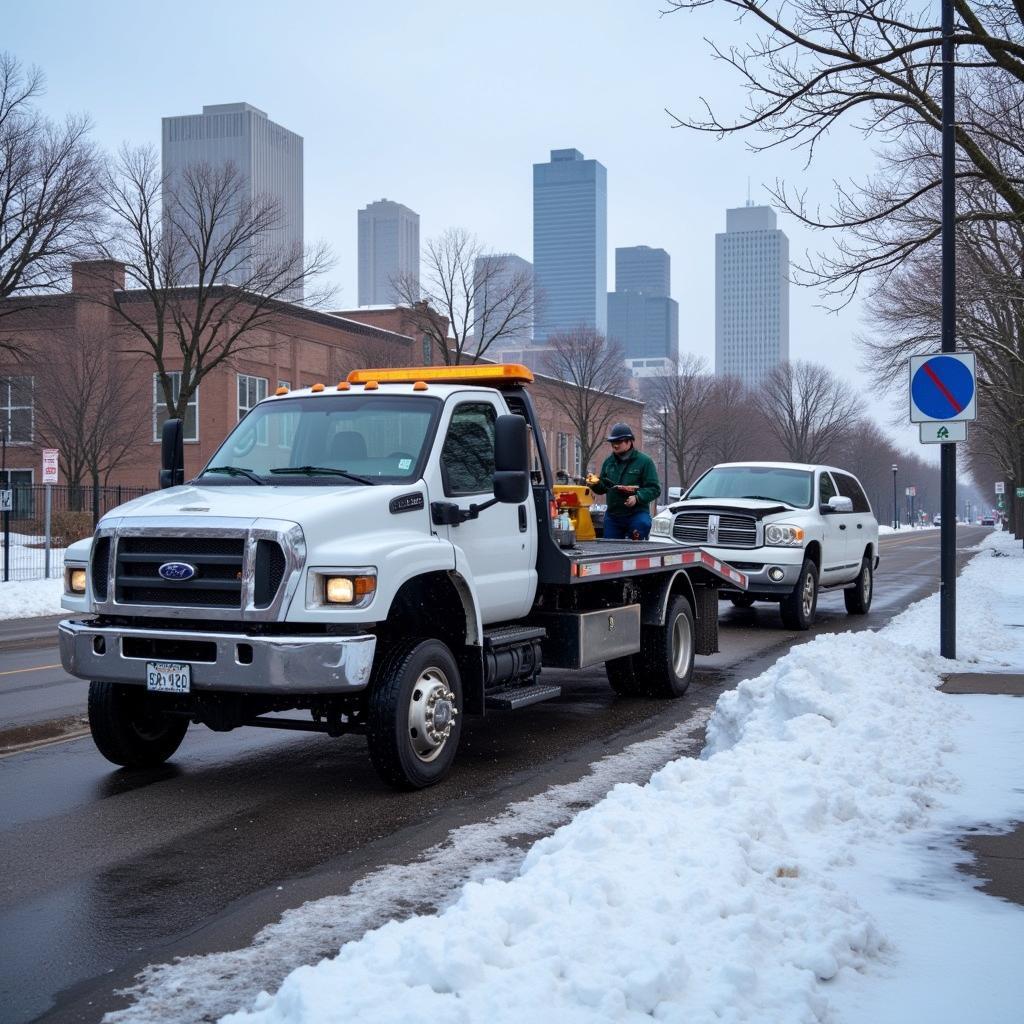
{"x":942,"y":388}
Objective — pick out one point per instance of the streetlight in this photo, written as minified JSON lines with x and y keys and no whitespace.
{"x":895,"y":503}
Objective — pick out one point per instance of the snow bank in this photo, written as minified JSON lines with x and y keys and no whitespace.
{"x":27,"y":598}
{"x":712,"y":892}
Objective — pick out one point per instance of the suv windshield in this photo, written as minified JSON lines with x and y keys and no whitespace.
{"x":328,"y":440}
{"x":767,"y":483}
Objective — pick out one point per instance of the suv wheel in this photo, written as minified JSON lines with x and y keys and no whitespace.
{"x":858,"y":597}
{"x":799,"y":606}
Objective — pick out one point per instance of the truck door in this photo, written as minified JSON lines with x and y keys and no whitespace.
{"x":835,"y":534}
{"x":497,"y":550}
{"x":859,"y":534}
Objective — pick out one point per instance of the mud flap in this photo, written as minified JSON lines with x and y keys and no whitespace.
{"x":707,"y":619}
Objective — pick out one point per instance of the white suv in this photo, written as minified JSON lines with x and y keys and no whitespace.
{"x":793,"y":529}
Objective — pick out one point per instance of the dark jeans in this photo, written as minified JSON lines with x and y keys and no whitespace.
{"x":623,"y":527}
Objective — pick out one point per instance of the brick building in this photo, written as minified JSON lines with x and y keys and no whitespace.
{"x":78,"y":336}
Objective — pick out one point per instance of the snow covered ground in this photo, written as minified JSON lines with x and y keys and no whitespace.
{"x":23,"y":599}
{"x":802,"y":869}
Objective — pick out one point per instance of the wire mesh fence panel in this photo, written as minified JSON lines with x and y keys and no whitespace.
{"x":74,"y":512}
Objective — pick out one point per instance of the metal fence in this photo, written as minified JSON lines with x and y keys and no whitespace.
{"x":74,"y":512}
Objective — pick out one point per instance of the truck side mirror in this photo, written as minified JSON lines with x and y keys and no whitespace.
{"x":511,"y":460}
{"x":172,"y":454}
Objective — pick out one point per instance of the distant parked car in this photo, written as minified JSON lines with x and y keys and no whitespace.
{"x":793,"y":529}
{"x":988,"y":521}
{"x":937,"y":521}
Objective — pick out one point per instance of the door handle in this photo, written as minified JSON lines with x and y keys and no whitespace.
{"x":522,"y":519}
{"x":860,"y":526}
{"x":842,"y":526}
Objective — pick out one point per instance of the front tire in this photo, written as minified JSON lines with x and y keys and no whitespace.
{"x":858,"y":597}
{"x":415,"y":714}
{"x":667,"y":653}
{"x":128,"y":727}
{"x":799,"y":607}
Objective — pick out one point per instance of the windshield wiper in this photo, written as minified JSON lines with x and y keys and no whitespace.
{"x":323,"y":471}
{"x":762,"y":497}
{"x":236,"y":471}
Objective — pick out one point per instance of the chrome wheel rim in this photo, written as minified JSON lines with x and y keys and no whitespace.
{"x":867,"y":584}
{"x":808,"y":595}
{"x":681,"y":643}
{"x":432,"y":714}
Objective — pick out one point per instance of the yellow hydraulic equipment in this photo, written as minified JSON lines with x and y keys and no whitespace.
{"x":576,"y":499}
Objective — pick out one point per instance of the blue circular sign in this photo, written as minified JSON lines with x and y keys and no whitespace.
{"x":942,"y":388}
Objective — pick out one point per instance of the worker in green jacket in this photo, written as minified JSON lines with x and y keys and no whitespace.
{"x":630,"y":480}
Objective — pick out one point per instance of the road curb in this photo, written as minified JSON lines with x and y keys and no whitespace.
{"x":20,"y":738}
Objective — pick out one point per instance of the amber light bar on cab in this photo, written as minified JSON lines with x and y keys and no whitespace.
{"x":496,"y":375}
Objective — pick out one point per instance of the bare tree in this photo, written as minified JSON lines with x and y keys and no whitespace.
{"x":808,"y":410}
{"x":678,"y":405}
{"x":81,"y":408}
{"x":590,"y":375}
{"x":734,"y":423}
{"x":48,"y":191}
{"x":809,"y":66}
{"x":468,"y":299}
{"x":203,"y":276}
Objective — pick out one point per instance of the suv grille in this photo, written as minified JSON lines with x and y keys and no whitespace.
{"x":217,"y":561}
{"x":731,"y":531}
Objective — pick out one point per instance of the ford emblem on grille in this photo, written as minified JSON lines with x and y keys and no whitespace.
{"x":177,"y":571}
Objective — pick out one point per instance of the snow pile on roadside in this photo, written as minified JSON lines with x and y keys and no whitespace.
{"x":710,"y":893}
{"x":27,"y":598}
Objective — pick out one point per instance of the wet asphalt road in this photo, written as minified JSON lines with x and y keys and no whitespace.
{"x":107,"y":870}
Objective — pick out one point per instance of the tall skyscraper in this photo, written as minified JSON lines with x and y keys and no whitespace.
{"x":643,"y":319}
{"x":495,"y":276}
{"x":570,"y":243}
{"x":389,"y":249}
{"x":269,"y":156}
{"x":751,"y":294}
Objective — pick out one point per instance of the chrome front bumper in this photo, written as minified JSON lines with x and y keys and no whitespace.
{"x":240,"y":663}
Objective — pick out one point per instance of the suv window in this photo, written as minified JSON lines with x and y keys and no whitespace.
{"x":467,"y":458}
{"x":826,"y":489}
{"x":849,"y":488}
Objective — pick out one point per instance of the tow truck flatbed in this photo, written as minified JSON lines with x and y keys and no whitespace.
{"x":588,"y":560}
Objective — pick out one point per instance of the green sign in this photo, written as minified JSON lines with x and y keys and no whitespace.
{"x":1020,"y":492}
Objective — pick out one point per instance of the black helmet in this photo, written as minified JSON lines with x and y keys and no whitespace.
{"x":620,"y":432}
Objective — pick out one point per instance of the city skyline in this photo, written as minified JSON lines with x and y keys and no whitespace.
{"x":643,"y":318}
{"x":667,"y":186}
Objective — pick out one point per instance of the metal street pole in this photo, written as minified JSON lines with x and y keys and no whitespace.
{"x":895,"y":507}
{"x":665,"y":445}
{"x":947,"y":536}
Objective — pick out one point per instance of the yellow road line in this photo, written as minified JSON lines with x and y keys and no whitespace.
{"x":37,"y":668}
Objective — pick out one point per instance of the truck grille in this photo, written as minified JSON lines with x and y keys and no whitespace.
{"x":731,"y":531}
{"x":100,"y":569}
{"x":217,"y":560}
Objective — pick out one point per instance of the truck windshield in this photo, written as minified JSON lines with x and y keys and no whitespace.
{"x":766,"y":483}
{"x":328,"y":440}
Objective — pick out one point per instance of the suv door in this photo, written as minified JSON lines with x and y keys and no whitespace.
{"x":497,"y":549}
{"x":863,"y":528}
{"x":835,"y":531}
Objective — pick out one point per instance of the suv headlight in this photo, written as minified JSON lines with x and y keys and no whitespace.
{"x":783,"y":535}
{"x":662,"y":526}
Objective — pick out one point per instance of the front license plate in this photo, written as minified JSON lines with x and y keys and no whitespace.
{"x":168,"y":677}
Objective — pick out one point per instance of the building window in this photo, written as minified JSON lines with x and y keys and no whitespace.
{"x":16,"y":413}
{"x":563,"y":451}
{"x":250,"y":391}
{"x":160,"y":415}
{"x":577,"y":459}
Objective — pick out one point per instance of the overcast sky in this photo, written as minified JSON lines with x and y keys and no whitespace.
{"x":445,"y":106}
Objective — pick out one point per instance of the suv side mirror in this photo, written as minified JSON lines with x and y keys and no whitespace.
{"x":172,"y":454}
{"x":511,"y":460}
{"x":837,"y":503}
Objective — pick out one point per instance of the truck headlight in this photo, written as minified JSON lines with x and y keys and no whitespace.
{"x":74,"y":580}
{"x":349,"y":589}
{"x":783,"y":535}
{"x":662,"y":526}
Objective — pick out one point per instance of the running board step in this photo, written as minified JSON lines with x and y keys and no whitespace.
{"x":511,"y":636}
{"x":521,"y":697}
